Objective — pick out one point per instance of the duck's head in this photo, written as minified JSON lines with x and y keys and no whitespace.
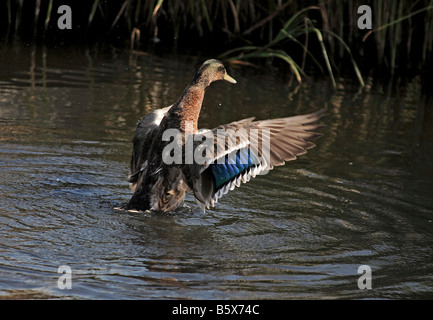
{"x":210,"y":71}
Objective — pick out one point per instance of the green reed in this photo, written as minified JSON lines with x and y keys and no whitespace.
{"x":298,"y":25}
{"x":324,"y":29}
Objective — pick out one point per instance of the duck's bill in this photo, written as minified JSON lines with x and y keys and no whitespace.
{"x":228,"y":78}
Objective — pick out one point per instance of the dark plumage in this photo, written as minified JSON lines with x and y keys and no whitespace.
{"x":233,"y":154}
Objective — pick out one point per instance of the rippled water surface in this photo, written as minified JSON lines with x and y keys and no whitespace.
{"x":363,"y":196}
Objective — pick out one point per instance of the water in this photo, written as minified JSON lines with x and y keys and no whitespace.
{"x":363,"y":196}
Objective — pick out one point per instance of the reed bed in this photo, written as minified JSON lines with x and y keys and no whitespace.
{"x":320,"y":33}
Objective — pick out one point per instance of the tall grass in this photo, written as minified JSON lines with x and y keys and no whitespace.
{"x":298,"y":25}
{"x":398,"y":28}
{"x":324,"y":30}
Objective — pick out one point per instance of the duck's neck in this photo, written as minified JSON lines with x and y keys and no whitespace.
{"x":187,"y":110}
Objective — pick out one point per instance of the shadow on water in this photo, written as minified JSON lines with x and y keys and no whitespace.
{"x":361,"y":197}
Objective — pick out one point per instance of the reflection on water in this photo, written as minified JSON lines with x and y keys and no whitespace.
{"x":361,"y":197}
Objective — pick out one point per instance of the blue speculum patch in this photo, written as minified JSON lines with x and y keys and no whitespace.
{"x":231,"y":168}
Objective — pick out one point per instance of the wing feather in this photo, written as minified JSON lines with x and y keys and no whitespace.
{"x":143,"y":137}
{"x":289,"y":138}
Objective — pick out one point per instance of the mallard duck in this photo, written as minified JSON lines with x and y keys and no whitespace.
{"x":233,"y":156}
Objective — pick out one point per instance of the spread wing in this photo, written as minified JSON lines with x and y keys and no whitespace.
{"x":142,"y":140}
{"x":243,"y":149}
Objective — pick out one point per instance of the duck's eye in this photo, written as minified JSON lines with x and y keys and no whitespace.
{"x":221,"y":69}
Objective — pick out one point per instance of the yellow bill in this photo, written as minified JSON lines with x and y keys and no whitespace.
{"x":228,"y":78}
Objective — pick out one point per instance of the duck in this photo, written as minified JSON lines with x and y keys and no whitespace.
{"x":172,"y":156}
